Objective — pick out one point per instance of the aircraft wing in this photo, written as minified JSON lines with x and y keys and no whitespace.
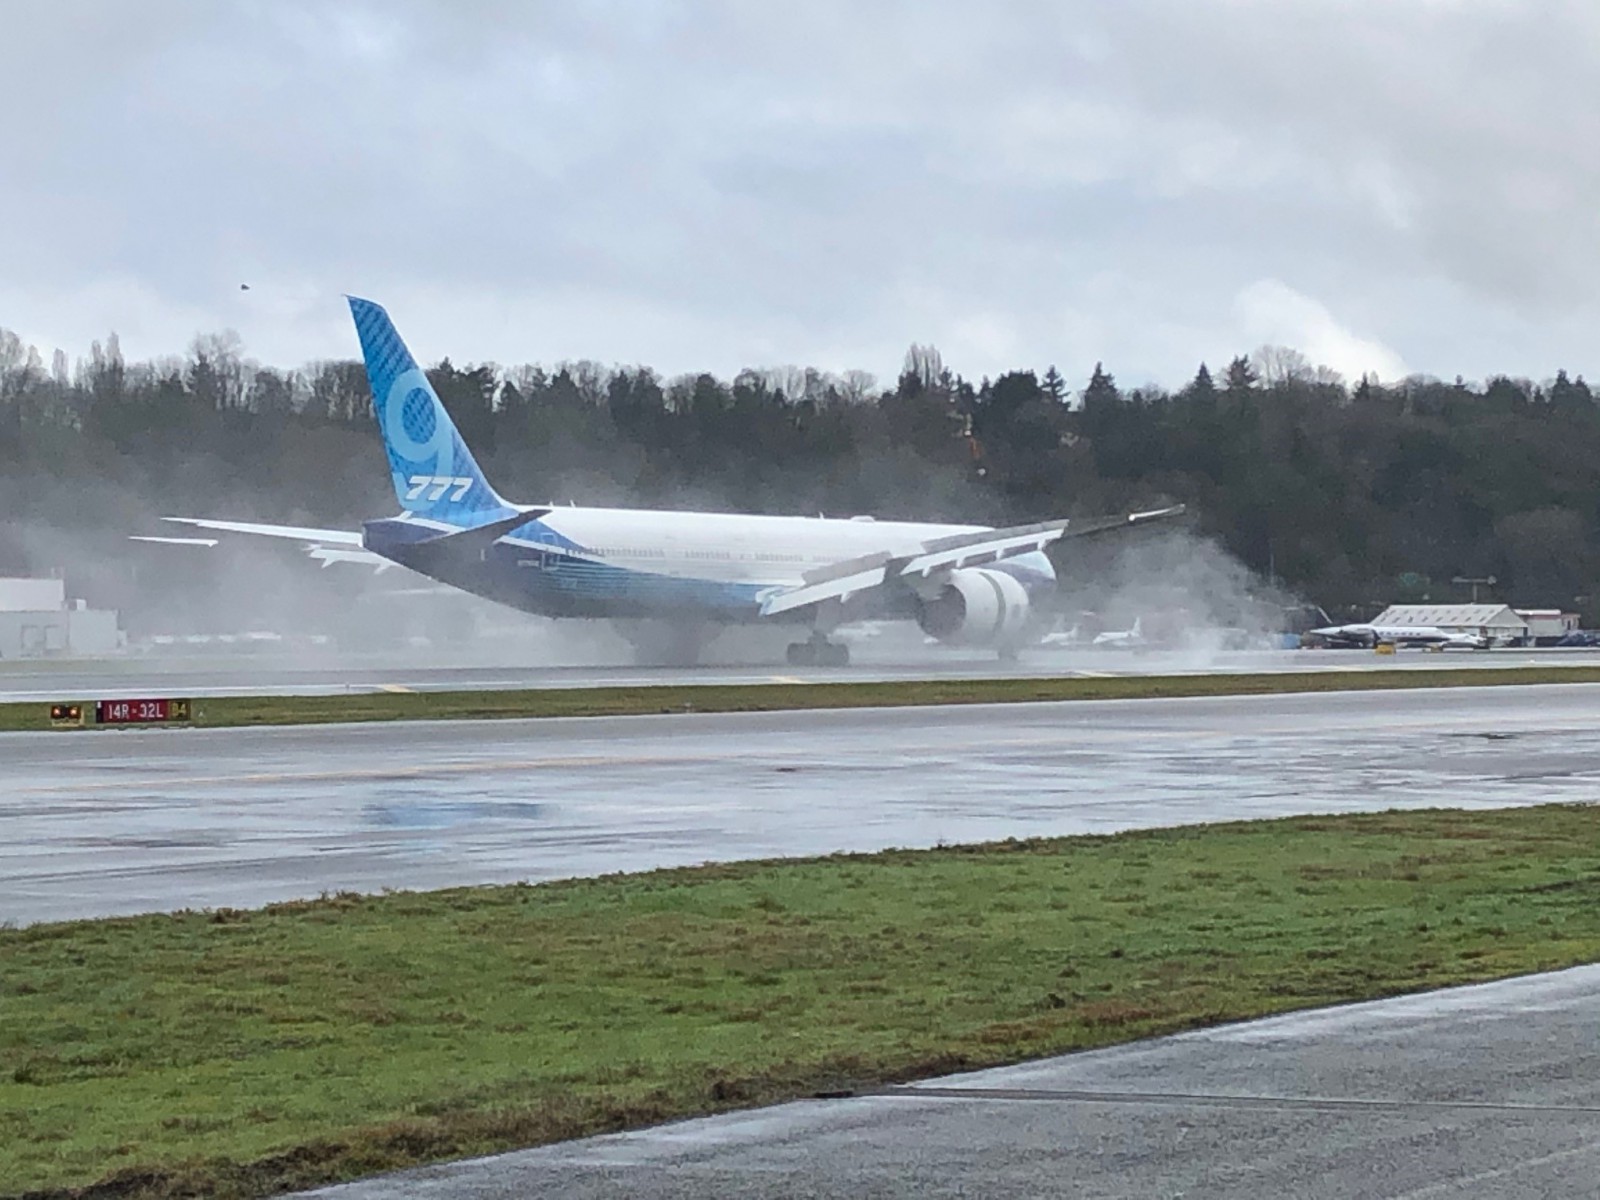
{"x":939,"y":556}
{"x":324,"y":545}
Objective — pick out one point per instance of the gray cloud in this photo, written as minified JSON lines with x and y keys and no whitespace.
{"x":1395,"y":186}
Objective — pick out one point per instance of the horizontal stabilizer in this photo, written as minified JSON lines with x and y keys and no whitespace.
{"x":173,"y":541}
{"x":327,"y":556}
{"x":326,"y":546}
{"x":297,"y":533}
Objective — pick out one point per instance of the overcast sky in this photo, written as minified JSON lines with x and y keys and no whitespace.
{"x":1387,"y":185}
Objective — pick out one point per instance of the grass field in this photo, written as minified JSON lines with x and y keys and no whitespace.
{"x":766,"y":697}
{"x":240,"y":1053}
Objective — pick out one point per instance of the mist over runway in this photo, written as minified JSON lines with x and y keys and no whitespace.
{"x":43,"y":682}
{"x":123,"y":822}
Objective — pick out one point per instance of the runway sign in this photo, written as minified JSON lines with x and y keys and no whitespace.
{"x":140,"y":712}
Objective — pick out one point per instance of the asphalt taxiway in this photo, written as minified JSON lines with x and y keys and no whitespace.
{"x":1486,"y":1092}
{"x":119,"y":822}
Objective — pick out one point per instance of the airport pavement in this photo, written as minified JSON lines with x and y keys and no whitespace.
{"x":142,"y":820}
{"x":1485,"y":1092}
{"x":335,"y":674}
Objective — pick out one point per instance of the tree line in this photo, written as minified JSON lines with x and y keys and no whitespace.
{"x":1349,"y":495}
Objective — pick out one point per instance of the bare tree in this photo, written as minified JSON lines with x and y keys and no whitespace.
{"x":924,"y":364}
{"x":857,"y":386}
{"x":591,"y":380}
{"x":1280,"y":364}
{"x":789,"y":379}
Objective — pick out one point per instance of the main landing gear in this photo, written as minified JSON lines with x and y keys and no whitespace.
{"x":818,"y":652}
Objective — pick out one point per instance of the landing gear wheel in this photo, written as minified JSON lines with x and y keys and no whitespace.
{"x":833,"y":654}
{"x":802,"y":654}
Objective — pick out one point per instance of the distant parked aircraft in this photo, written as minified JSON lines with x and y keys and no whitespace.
{"x":1366,"y":636}
{"x":670,"y":580}
{"x":1122,"y":639}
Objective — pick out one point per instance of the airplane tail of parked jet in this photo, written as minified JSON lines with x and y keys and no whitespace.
{"x":435,"y":476}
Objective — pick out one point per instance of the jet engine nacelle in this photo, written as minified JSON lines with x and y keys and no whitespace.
{"x":978,"y":607}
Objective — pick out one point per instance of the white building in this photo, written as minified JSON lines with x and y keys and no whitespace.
{"x":36,"y":621}
{"x":1549,"y":625}
{"x":1498,"y":622}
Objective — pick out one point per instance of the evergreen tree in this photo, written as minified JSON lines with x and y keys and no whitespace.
{"x":1054,"y":386}
{"x":1241,"y":376}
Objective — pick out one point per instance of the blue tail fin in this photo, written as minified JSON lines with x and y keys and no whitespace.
{"x":434,"y":472}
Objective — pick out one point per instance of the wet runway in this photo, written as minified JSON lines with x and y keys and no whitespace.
{"x":45,"y":682}
{"x":1481,"y":1092}
{"x":119,"y":822}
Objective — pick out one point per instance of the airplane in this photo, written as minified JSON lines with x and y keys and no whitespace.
{"x":1367,"y":637}
{"x":671,"y":580}
{"x":1122,"y":639}
{"x":1064,"y":639}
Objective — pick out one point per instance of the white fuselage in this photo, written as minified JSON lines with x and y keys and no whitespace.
{"x":643,"y":563}
{"x":1399,"y":635}
{"x":730,"y":547}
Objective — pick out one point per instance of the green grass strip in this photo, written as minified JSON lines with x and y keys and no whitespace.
{"x":240,"y":1053}
{"x":768,"y":697}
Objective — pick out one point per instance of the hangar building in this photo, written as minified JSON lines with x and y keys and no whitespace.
{"x":36,"y":621}
{"x":1496,"y":621}
{"x":1549,"y":625}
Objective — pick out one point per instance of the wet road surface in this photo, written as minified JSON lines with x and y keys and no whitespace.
{"x":131,"y":821}
{"x":1483,"y":1092}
